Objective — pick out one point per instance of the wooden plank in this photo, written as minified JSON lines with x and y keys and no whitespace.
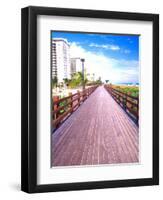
{"x":98,"y":132}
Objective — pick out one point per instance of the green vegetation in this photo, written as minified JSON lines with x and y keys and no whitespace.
{"x":63,"y":103}
{"x":97,"y":82}
{"x":131,"y":90}
{"x":76,"y":80}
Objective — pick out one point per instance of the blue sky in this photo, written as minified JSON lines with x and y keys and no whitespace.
{"x":111,"y":56}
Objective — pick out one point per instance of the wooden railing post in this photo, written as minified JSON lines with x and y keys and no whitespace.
{"x":137,"y":120}
{"x":83,"y":95}
{"x":87,"y":92}
{"x":127,"y":106}
{"x":125,"y":101}
{"x":90,"y":90}
{"x":78,"y":93}
{"x":70,"y":99}
{"x":55,"y":99}
{"x":111,"y":91}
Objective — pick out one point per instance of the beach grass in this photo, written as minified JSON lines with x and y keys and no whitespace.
{"x":131,"y":90}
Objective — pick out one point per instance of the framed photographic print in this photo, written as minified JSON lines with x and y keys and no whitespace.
{"x":90,"y":99}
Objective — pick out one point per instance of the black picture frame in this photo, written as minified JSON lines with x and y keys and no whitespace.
{"x":29,"y":99}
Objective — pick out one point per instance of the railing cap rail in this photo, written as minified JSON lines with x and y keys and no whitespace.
{"x":75,"y":94}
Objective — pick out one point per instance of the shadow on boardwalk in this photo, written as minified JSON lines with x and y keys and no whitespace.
{"x":99,"y":132}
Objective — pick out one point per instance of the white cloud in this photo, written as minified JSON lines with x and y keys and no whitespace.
{"x":127,"y":51}
{"x":105,"y":67}
{"x":77,"y":43}
{"x":106,"y":46}
{"x":129,"y":40}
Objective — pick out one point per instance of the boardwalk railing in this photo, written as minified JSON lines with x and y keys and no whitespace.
{"x":129,"y":103}
{"x":63,"y":107}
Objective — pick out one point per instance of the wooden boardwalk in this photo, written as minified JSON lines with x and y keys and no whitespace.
{"x":98,"y":132}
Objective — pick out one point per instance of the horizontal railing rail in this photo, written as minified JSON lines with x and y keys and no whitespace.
{"x":129,"y":103}
{"x":64,"y":107}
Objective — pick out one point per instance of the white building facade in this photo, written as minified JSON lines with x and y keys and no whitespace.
{"x":60,"y":59}
{"x":76,"y":65}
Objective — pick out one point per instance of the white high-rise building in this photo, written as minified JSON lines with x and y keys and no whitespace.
{"x":60,"y":59}
{"x":76,"y":65}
